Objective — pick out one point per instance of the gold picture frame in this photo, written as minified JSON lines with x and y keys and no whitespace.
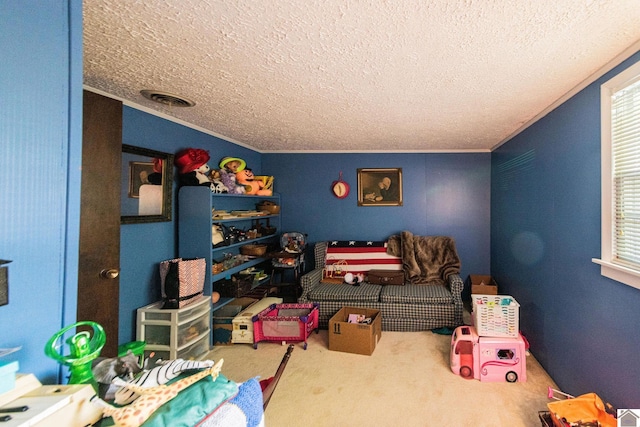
{"x":380,"y":187}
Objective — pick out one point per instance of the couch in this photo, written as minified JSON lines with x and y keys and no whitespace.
{"x":431,"y":297}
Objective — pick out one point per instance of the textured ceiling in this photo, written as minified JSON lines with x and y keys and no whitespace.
{"x":354,"y":75}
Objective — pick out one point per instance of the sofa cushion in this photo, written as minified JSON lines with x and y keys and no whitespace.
{"x":347,"y":293}
{"x":416,"y":294}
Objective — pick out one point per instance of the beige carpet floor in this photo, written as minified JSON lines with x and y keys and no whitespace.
{"x":407,"y":381}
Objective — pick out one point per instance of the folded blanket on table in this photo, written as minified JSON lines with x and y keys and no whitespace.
{"x":425,"y":259}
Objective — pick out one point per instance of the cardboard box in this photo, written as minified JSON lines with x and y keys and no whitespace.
{"x":223,"y":319}
{"x":484,"y":285}
{"x":359,"y":338}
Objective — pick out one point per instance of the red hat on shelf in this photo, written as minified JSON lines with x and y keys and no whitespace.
{"x":191,"y":159}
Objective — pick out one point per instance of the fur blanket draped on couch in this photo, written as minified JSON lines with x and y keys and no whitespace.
{"x":425,"y":259}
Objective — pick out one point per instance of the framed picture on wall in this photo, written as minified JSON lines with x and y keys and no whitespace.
{"x":138,"y":173}
{"x":380,"y":187}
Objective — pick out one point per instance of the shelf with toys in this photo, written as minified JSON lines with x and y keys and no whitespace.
{"x":196,"y":228}
{"x":219,"y":227}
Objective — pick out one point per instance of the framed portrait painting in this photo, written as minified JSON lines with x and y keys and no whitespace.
{"x":137,"y":172}
{"x":380,"y":187}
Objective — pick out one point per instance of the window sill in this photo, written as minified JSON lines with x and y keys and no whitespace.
{"x":619,"y":273}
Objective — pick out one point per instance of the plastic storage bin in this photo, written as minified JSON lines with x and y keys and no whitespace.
{"x":183,"y":333}
{"x":496,"y":315}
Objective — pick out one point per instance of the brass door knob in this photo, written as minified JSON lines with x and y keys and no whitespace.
{"x":111,"y":273}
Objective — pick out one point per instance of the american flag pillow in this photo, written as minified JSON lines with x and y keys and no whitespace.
{"x":355,"y":256}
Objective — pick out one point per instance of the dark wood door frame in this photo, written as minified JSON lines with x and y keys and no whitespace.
{"x":99,"y":257}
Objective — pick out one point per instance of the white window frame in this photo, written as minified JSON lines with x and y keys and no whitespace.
{"x":608,"y":267}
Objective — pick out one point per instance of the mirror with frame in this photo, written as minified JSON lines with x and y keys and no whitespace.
{"x":147,"y":184}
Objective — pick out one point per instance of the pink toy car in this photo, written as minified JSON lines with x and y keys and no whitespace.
{"x":487,"y":358}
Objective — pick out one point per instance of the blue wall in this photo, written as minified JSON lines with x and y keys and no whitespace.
{"x":143,"y":246}
{"x":545,"y":229}
{"x":40,"y":134}
{"x":444,"y":194}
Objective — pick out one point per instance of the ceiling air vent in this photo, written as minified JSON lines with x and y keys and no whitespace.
{"x":167,"y":98}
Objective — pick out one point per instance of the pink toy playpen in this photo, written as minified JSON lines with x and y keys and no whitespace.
{"x":285,"y":323}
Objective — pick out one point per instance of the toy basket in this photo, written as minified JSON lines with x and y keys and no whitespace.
{"x":253,"y":250}
{"x":496,"y":315}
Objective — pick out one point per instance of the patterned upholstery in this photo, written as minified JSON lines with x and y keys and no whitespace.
{"x":398,"y":317}
{"x":347,"y":293}
{"x":320,"y":251}
{"x":416,"y":294}
{"x":402,"y":308}
{"x":412,"y":325}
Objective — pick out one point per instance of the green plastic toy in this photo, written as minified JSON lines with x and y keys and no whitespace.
{"x":84,"y":348}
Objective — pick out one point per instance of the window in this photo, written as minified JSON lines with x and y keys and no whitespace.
{"x":620,"y":98}
{"x":506,"y":354}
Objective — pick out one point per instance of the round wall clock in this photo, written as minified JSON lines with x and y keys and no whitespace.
{"x":340,"y":188}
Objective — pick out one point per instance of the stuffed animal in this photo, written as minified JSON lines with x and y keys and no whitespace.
{"x":245,"y":177}
{"x":106,"y":369}
{"x":228,"y":168}
{"x":354,"y":279}
{"x":192,"y":166}
{"x":229,"y":181}
{"x":217,"y":186}
{"x":201,"y":175}
{"x":161,"y":374}
{"x":232,"y":164}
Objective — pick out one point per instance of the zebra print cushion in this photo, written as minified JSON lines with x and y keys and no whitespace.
{"x":162,"y":374}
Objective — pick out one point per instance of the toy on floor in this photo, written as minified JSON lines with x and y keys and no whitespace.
{"x":554,"y":394}
{"x":586,"y":409}
{"x":487,"y":358}
{"x":285,"y":323}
